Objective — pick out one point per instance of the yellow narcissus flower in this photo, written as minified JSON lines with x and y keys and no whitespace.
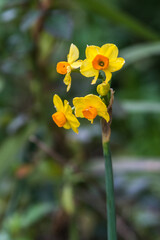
{"x":66,"y":67}
{"x":89,"y":107}
{"x":64,"y":116}
{"x":101,"y":58}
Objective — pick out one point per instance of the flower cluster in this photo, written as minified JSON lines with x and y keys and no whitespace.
{"x":98,"y":59}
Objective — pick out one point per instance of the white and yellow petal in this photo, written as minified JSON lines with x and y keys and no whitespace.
{"x":92,"y":51}
{"x":87,"y":69}
{"x":93,"y":100}
{"x":109,"y":50}
{"x":67,"y":81}
{"x":78,"y":102}
{"x":76,"y":64}
{"x":95,"y":78}
{"x":115,"y":65}
{"x":104,"y":114}
{"x":58,"y":103}
{"x":108,"y":75}
{"x":67,"y":108}
{"x":73,"y":121}
{"x":67,"y":125}
{"x":75,"y":130}
{"x":73,"y":54}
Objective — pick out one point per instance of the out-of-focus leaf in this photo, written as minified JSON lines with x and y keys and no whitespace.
{"x":47,"y":170}
{"x":137,"y":187}
{"x":115,"y":15}
{"x":45,"y":45}
{"x":10,"y":148}
{"x":4,"y":236}
{"x":8,"y":15}
{"x":68,"y":198}
{"x":35,"y":213}
{"x":147,"y":218}
{"x":12,"y":224}
{"x":59,"y":24}
{"x":10,"y":4}
{"x":17,"y":123}
{"x":16,"y":222}
{"x":2,"y":3}
{"x":2,"y":84}
{"x":139,"y":52}
{"x":29,"y":19}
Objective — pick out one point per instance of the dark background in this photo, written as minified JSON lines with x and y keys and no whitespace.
{"x":52,"y":180}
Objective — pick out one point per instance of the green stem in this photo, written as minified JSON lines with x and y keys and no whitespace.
{"x":111,"y":215}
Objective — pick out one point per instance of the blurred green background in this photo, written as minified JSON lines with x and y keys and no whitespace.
{"x":52,"y":180}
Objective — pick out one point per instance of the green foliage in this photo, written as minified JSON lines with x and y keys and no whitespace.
{"x":10,"y":148}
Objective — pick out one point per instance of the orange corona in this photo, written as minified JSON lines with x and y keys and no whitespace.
{"x":90,"y":112}
{"x":59,"y":118}
{"x":100,"y":62}
{"x":62,"y":67}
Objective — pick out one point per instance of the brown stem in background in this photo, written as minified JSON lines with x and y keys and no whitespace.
{"x":58,"y":158}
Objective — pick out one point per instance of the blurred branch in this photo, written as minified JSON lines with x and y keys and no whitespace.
{"x":124,"y":229}
{"x":119,"y":17}
{"x":141,"y":106}
{"x":47,"y":150}
{"x":44,"y":6}
{"x":138,"y":165}
{"x":124,"y":165}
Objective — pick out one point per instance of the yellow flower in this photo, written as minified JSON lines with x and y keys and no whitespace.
{"x":66,"y":67}
{"x":103,"y":89}
{"x":89,"y":107}
{"x":64,"y":116}
{"x":104,"y":58}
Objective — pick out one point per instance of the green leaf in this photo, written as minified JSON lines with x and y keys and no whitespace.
{"x":14,"y":223}
{"x":11,"y":147}
{"x":36,"y":212}
{"x":139,"y":52}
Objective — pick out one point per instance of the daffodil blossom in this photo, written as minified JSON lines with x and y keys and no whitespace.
{"x":64,"y":116}
{"x":89,"y":107}
{"x":103,"y":58}
{"x":66,"y":67}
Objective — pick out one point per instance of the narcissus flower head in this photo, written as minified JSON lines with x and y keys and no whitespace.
{"x":66,"y":67}
{"x":89,"y":107}
{"x":103,"y":58}
{"x":64,"y":116}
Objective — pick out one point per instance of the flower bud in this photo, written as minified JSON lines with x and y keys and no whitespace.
{"x":103,"y":89}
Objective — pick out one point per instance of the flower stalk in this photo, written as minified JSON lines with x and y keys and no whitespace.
{"x":110,"y":201}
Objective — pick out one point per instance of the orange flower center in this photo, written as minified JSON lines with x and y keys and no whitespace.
{"x":59,"y":118}
{"x":90,"y":112}
{"x":62,"y":67}
{"x":100,"y":62}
